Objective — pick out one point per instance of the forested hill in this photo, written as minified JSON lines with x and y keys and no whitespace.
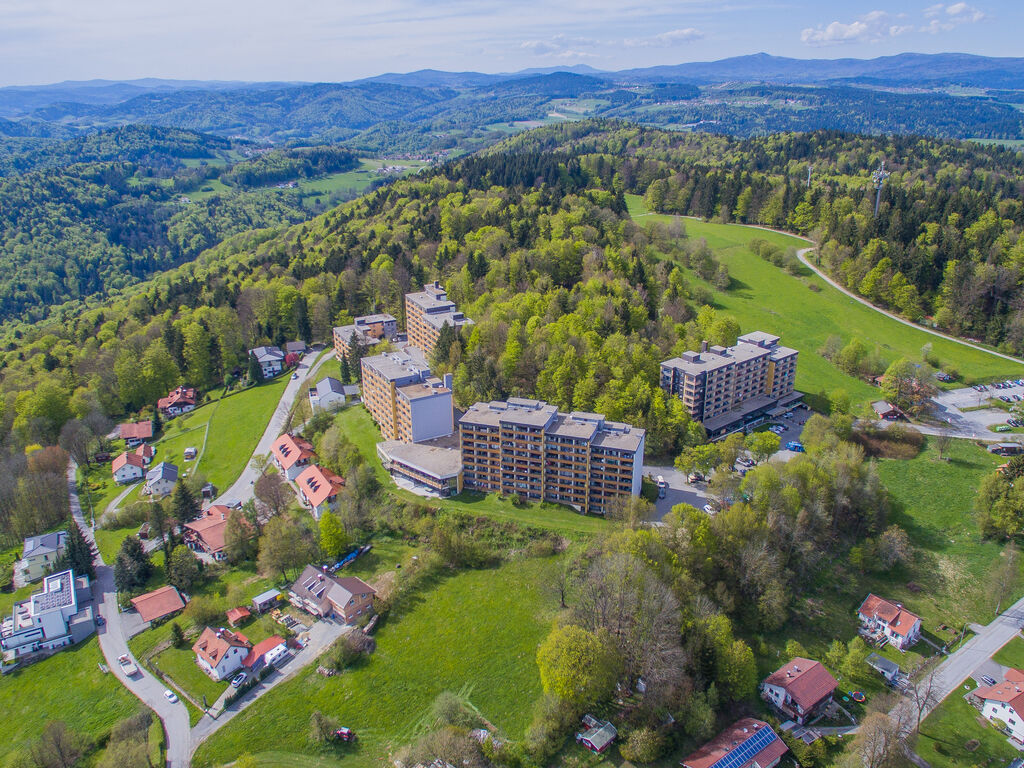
{"x":947,"y":242}
{"x":97,"y":213}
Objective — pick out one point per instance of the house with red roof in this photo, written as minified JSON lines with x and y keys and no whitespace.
{"x":159,"y":603}
{"x":319,"y":489}
{"x":264,"y":653}
{"x":135,"y":432}
{"x":747,"y":743}
{"x":178,"y":401}
{"x":292,"y":454}
{"x":237,"y":615}
{"x":220,"y":652}
{"x":146,"y":452}
{"x":129,"y":467}
{"x":321,"y":593}
{"x":1003,"y":704}
{"x":207,"y":533}
{"x":889,"y":621}
{"x":801,"y":689}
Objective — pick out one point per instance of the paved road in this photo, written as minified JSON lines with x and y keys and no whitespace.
{"x":113,"y":643}
{"x":321,"y":635}
{"x":241,"y":490}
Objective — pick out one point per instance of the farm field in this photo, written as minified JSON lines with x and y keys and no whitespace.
{"x":357,"y":181}
{"x":764,"y":297}
{"x":359,"y":428}
{"x":952,"y":727}
{"x":89,"y":701}
{"x":486,"y":655}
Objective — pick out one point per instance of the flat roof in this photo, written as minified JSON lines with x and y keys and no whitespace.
{"x":747,"y":407}
{"x":420,"y":391}
{"x":566,"y":426}
{"x":428,"y":301}
{"x":442,"y":463}
{"x":626,"y":440}
{"x":398,"y":365}
{"x":439,"y":319}
{"x":380,"y":317}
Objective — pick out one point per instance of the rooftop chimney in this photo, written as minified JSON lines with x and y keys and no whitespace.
{"x":703,"y":346}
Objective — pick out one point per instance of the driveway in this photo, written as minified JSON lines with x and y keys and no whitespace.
{"x":321,"y":635}
{"x":241,"y":490}
{"x":113,"y":643}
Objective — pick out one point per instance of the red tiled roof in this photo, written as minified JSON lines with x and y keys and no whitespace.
{"x":288,"y":449}
{"x":1014,"y":675}
{"x":900,"y":620}
{"x":214,"y":643}
{"x":139,"y":430}
{"x":158,"y":603}
{"x":179,"y":396}
{"x":319,"y":484}
{"x":732,"y":737}
{"x":211,"y":526}
{"x":127,"y":458}
{"x":1010,"y":692}
{"x":235,"y":615}
{"x":807,"y":682}
{"x":145,"y":451}
{"x":261,"y":649}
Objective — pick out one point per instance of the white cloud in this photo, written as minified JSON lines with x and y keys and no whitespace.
{"x":944,"y":18}
{"x":871,"y":27}
{"x":561,"y":46}
{"x":665,"y":39}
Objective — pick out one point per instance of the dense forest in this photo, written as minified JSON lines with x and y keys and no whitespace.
{"x":945,"y":247}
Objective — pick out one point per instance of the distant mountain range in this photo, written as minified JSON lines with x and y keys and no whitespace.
{"x":433,"y":109}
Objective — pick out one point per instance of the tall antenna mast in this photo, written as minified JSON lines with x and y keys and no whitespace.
{"x":878,"y":179}
{"x":810,"y":167}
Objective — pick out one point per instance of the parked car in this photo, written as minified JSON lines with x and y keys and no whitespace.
{"x":709,"y":509}
{"x":127,"y":665}
{"x":170,"y":696}
{"x":795,"y":446}
{"x":662,"y":487}
{"x":694,"y":477}
{"x":988,"y":680}
{"x":238,"y":679}
{"x":1003,"y":428}
{"x":787,"y":415}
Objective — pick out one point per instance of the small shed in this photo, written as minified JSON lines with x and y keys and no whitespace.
{"x":886,"y":410}
{"x":264,"y":601}
{"x":237,"y":615}
{"x":888,"y":669}
{"x":190,"y":453}
{"x":209,"y":491}
{"x":599,"y":737}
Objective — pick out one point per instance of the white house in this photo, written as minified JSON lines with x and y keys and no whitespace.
{"x":128,"y":468}
{"x":892,"y":621}
{"x":327,"y":395}
{"x":271,"y":360}
{"x":292,"y":454}
{"x":221,"y":652}
{"x":178,"y":401}
{"x":160,"y":480}
{"x":39,"y":553}
{"x":51,"y":618}
{"x":1004,"y":703}
{"x":801,"y":689}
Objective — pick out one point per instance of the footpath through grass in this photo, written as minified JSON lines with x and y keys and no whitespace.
{"x":68,"y":686}
{"x":475,"y":633}
{"x":765,"y":297}
{"x":358,"y":426}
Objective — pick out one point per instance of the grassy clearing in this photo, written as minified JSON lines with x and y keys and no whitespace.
{"x":67,"y":686}
{"x":475,"y":633}
{"x":765,"y":297}
{"x":1011,"y":654}
{"x":948,"y":730}
{"x":360,"y":429}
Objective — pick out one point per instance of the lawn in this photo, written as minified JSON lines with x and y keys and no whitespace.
{"x":1011,"y":654}
{"x":358,"y":426}
{"x":951,"y":726}
{"x":356,"y":181}
{"x":475,"y":633}
{"x":764,"y":297}
{"x":67,"y":686}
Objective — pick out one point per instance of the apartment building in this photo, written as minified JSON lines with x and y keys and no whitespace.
{"x":406,"y":401}
{"x":365,"y":332}
{"x":527,"y":447}
{"x":59,"y":614}
{"x":730,"y":388}
{"x":426,"y":312}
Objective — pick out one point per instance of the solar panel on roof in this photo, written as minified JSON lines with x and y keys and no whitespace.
{"x":748,"y":749}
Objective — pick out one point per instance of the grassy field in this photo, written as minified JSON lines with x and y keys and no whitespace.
{"x":953,"y":725}
{"x":67,"y":686}
{"x":1011,"y":654}
{"x":486,"y":653}
{"x":764,"y":297}
{"x":358,"y":426}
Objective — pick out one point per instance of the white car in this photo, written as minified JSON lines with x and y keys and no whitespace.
{"x":170,"y":696}
{"x":709,"y":509}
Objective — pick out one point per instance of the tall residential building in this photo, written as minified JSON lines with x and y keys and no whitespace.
{"x":729,"y":388}
{"x":427,"y":312}
{"x":527,"y":447}
{"x":407,"y":403}
{"x":366,"y":332}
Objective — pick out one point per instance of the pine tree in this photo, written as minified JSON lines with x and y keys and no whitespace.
{"x":132,"y":567}
{"x":346,"y":370}
{"x":158,"y":423}
{"x":255,"y":371}
{"x":78,"y":555}
{"x":184,"y":507}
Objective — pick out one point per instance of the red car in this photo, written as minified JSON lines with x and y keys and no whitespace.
{"x":345,"y":734}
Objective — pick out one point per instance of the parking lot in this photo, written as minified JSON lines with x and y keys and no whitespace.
{"x":950,"y":407}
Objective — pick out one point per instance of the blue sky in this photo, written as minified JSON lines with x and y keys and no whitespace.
{"x":328,"y":40}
